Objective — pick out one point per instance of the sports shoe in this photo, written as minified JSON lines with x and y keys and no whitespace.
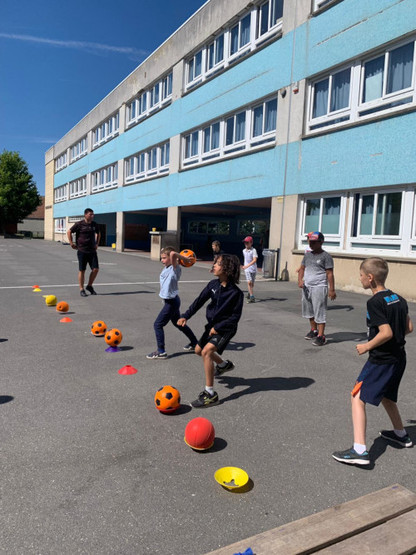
{"x":404,"y":441}
{"x":156,"y":354}
{"x":205,"y":400}
{"x":83,"y":293}
{"x":91,"y":289}
{"x":319,"y":341}
{"x":219,"y":370}
{"x":190,"y":348}
{"x":251,"y":300}
{"x":312,"y":334}
{"x":350,"y":456}
{"x":248,"y":296}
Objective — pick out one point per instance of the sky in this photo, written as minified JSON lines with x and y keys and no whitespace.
{"x":60,"y":59}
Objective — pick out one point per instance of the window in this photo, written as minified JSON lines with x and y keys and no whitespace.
{"x":149,"y":163}
{"x":317,"y":4}
{"x":383,"y":83}
{"x":78,"y":188}
{"x":268,"y":15}
{"x":255,"y":26}
{"x":253,"y":227}
{"x":150,"y":100}
{"x":105,"y":178}
{"x":61,"y":162}
{"x":323,"y":214}
{"x":196,"y":227}
{"x":79,"y":149}
{"x":106,"y":130}
{"x":264,"y":119}
{"x":378,"y":214}
{"x":60,"y":225}
{"x":61,"y":193}
{"x":232,"y":134}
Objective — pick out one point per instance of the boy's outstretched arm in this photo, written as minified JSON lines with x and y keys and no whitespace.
{"x":385,"y":333}
{"x":195,"y":306}
{"x":331,"y":284}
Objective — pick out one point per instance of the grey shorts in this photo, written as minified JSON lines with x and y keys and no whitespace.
{"x":250,"y":276}
{"x":314,"y":303}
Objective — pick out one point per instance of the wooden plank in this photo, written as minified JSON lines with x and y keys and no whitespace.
{"x":394,"y":537}
{"x":333,"y":525}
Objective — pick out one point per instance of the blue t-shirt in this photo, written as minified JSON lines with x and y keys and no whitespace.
{"x":169,"y":278}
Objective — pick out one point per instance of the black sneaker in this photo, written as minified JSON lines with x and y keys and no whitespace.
{"x":91,"y":289}
{"x":319,"y":341}
{"x":404,"y":441}
{"x":350,"y":456}
{"x":248,"y":296}
{"x":190,"y":348}
{"x":156,"y":354}
{"x":251,"y":300}
{"x":83,"y":293}
{"x":225,"y":366}
{"x":205,"y":400}
{"x":312,"y":334}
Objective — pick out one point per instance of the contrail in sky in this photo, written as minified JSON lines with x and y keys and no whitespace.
{"x":92,"y":47}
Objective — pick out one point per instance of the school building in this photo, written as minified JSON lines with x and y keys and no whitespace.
{"x":266,"y":118}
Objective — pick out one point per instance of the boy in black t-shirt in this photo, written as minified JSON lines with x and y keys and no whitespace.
{"x":388,"y":322}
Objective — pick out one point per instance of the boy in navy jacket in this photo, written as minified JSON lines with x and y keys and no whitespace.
{"x":223,"y":314}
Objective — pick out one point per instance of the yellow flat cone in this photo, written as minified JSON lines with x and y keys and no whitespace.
{"x":231,"y":477}
{"x":36,"y":290}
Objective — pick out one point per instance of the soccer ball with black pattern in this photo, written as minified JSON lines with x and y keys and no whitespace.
{"x":113,"y":337}
{"x":99,"y":328}
{"x":167,"y":399}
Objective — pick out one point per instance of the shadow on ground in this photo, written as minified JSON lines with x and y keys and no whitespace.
{"x":341,"y":336}
{"x":255,"y":385}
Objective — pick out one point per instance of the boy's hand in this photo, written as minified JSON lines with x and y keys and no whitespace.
{"x":301,"y":284}
{"x":332,"y":295}
{"x":362,"y":348}
{"x":181,"y":322}
{"x":212,"y":331}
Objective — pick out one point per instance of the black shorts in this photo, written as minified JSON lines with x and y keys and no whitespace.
{"x":219,"y":340}
{"x":381,"y":380}
{"x":85,"y":258}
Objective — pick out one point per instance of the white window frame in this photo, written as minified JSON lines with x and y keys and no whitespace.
{"x":104,"y":178}
{"x":79,"y":149}
{"x":249,"y":143}
{"x":147,"y":163}
{"x":60,"y":225}
{"x":320,"y":4}
{"x":61,"y":162}
{"x":255,"y":41}
{"x":365,"y":238}
{"x":362,"y":111}
{"x":329,"y":237}
{"x":145,"y":104}
{"x":106,"y":131}
{"x":61,"y":193}
{"x":271,"y":28}
{"x":78,"y":187}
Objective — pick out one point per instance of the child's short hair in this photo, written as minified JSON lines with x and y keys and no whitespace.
{"x":376,"y":266}
{"x":230,"y":265}
{"x":216,"y":243}
{"x":167,"y":250}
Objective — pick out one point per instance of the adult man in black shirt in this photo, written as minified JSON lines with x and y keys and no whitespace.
{"x":87,"y":238}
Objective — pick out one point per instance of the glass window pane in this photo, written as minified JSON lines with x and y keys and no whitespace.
{"x":194,"y":151}
{"x":276,"y":11}
{"x":215,"y":139}
{"x":312,"y":215}
{"x":198,"y":63}
{"x":388,"y":214}
{"x":240,"y":132}
{"x":245,"y":30}
{"x":234,"y":40}
{"x":264,"y":18}
{"x":229,"y":131}
{"x":340,"y":90}
{"x":211,"y":56}
{"x":320,"y":101}
{"x":400,"y":68}
{"x":367,"y":210}
{"x":207,"y":139}
{"x":191,"y":71}
{"x":271,"y":115}
{"x":258,"y":121}
{"x":219,"y":54}
{"x":331,"y":215}
{"x":373,"y":79}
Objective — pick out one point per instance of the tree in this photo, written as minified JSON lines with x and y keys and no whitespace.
{"x":19,"y":195}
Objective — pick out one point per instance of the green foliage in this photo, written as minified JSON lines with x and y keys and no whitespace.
{"x":19,"y":196}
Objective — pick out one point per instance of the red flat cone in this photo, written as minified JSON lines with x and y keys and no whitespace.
{"x":65,"y":320}
{"x":35,"y":286}
{"x":127,"y":370}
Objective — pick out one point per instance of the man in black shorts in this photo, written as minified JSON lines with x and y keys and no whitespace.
{"x":87,"y":238}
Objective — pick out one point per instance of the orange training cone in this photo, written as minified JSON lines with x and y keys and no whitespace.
{"x":65,"y":320}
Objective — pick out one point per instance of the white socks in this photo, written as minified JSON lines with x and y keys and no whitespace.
{"x":358,"y":448}
{"x":209,"y":389}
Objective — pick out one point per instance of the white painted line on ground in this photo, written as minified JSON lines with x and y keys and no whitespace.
{"x":98,"y":284}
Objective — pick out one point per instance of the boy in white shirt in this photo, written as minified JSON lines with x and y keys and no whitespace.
{"x":250,"y":266}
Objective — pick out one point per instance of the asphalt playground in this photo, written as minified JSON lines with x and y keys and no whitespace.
{"x":89,"y":466}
